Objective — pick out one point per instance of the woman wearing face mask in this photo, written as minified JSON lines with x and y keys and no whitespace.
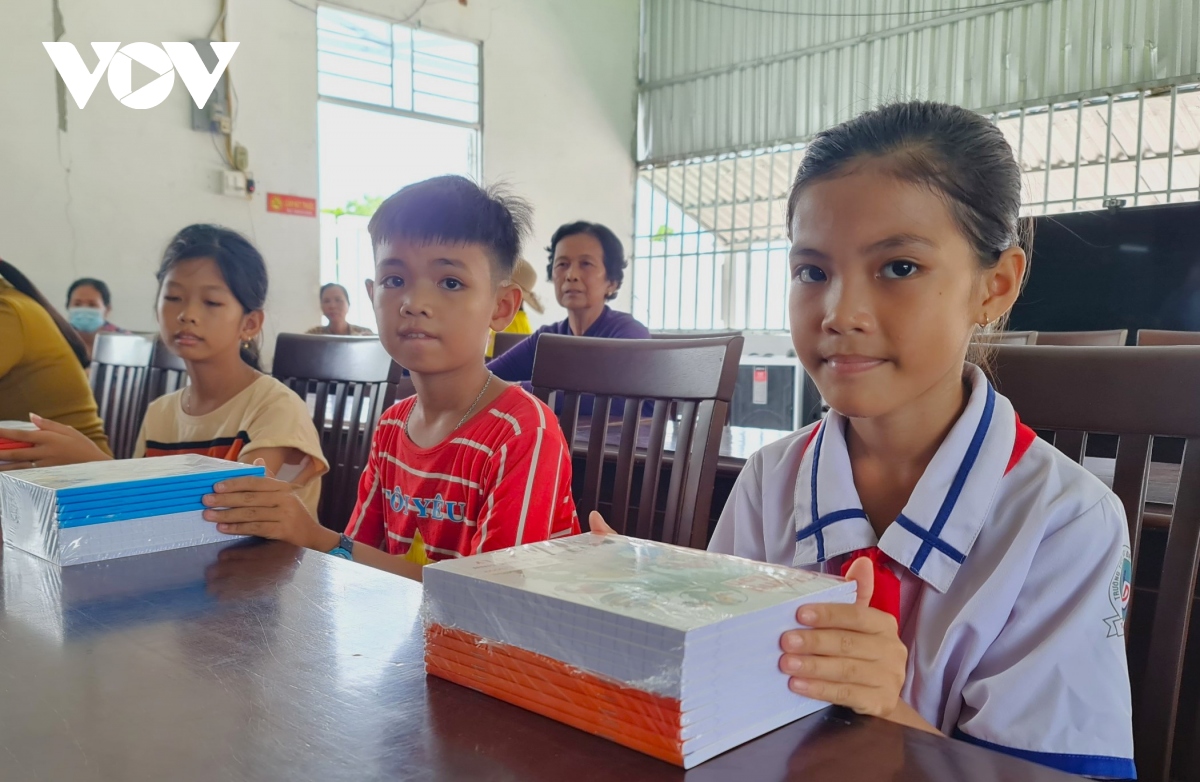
{"x":89,"y":304}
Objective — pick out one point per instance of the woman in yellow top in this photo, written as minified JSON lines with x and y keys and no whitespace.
{"x":524,"y":276}
{"x":42,"y":362}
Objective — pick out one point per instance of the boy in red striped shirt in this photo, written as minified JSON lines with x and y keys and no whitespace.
{"x":470,"y":463}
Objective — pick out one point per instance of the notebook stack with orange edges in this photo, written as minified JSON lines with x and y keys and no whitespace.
{"x":670,"y":651}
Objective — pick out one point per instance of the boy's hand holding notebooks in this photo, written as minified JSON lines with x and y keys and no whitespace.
{"x":102,"y":510}
{"x":670,"y":651}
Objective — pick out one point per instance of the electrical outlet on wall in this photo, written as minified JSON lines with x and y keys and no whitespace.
{"x":231,"y":183}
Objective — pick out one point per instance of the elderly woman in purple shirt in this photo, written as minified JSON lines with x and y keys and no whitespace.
{"x":587,"y":265}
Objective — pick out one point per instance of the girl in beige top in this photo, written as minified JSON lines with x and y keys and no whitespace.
{"x":212,"y":286}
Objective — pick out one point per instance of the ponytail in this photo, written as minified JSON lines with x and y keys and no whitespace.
{"x":22,"y":284}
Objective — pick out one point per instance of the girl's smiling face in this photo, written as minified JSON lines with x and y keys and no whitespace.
{"x":886,"y":290}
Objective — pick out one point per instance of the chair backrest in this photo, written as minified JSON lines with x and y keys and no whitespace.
{"x":344,"y":380}
{"x":1147,"y":337}
{"x":120,"y":365}
{"x":506,"y":341}
{"x":693,"y":334}
{"x":1113,"y":337}
{"x":1008,"y":337}
{"x":1136,"y":394}
{"x":697,"y":376}
{"x":168,"y":373}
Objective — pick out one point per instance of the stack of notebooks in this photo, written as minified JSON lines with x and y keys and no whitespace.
{"x":9,"y":445}
{"x":669,"y":651}
{"x":102,"y":510}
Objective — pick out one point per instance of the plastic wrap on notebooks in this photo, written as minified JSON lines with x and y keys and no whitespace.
{"x":638,"y":584}
{"x":116,"y":523}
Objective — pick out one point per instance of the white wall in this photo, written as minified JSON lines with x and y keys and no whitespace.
{"x":103,"y":198}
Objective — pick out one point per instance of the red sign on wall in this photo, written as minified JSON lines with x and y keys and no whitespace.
{"x":291,"y":205}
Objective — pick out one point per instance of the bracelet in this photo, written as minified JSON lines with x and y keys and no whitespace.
{"x":344,"y":549}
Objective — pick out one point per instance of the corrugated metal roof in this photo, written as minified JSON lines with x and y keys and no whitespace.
{"x":716,"y":78}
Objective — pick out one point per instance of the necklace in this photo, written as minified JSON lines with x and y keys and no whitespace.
{"x":466,"y":415}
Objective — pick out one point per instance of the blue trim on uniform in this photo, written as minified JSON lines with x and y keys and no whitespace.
{"x":823,"y":522}
{"x":816,"y":518}
{"x":1084,"y":765}
{"x":929,"y":541}
{"x":960,"y":478}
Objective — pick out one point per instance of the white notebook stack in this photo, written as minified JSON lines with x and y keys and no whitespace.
{"x":102,"y":510}
{"x":670,"y":651}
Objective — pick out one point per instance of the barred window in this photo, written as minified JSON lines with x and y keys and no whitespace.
{"x":374,"y":61}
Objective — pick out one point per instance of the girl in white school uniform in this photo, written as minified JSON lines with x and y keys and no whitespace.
{"x":993,"y":571}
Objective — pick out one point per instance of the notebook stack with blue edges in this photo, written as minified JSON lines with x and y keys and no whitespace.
{"x":103,"y":510}
{"x":669,"y":651}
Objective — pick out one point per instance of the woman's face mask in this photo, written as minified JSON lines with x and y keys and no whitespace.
{"x":86,"y":319}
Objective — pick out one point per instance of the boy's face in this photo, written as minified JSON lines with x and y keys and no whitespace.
{"x":435,"y":303}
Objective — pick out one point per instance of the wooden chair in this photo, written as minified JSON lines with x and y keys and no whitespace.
{"x":120,"y":365}
{"x":167,"y":374}
{"x":693,"y":334}
{"x":505,"y":341}
{"x":1135,"y":395}
{"x":345,"y":381}
{"x":1007,"y":337}
{"x":1148,"y":337}
{"x":1114,"y":337}
{"x":697,"y":375}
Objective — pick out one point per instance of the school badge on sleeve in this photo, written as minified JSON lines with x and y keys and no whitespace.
{"x":1118,"y":594}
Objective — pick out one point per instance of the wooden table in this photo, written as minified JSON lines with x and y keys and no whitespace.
{"x":262,"y":662}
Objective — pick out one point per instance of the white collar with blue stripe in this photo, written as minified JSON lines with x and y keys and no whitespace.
{"x":934,"y":533}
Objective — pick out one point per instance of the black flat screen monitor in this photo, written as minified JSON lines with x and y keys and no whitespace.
{"x":1127,"y":268}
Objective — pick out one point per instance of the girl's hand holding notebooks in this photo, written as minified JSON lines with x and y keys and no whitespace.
{"x":265,"y":507}
{"x":851,"y":655}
